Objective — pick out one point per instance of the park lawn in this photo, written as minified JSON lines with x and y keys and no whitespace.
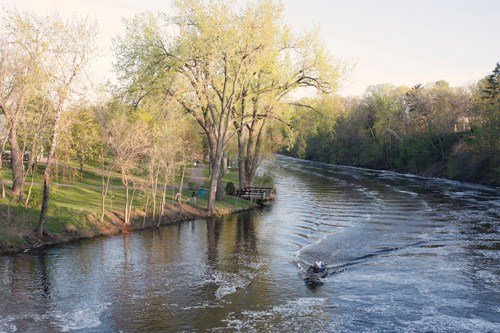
{"x":231,"y":175}
{"x":75,"y":209}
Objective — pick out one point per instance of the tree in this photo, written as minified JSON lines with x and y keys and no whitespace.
{"x":34,"y":134}
{"x":23,"y":45}
{"x":419,"y":107}
{"x":81,"y":136}
{"x":284,"y":64}
{"x":488,"y":140}
{"x":129,"y":139}
{"x":69,"y":46}
{"x":3,"y":143}
{"x":491,"y":90}
{"x":166,"y":149}
{"x":200,"y":67}
{"x":387,"y":118}
{"x":212,"y":59}
{"x":171,"y":143}
{"x":102,"y":113}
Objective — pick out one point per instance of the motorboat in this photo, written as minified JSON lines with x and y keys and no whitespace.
{"x":314,"y":274}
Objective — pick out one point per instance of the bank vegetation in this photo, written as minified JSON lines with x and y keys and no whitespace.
{"x":432,"y":130}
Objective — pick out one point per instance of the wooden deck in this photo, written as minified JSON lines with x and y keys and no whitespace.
{"x":260,"y":195}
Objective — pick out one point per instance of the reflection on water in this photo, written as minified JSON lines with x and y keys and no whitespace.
{"x":404,"y":254}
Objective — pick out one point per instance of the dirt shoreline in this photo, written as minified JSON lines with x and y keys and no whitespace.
{"x":113,"y":225}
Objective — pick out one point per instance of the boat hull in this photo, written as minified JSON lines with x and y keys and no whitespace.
{"x":314,"y":277}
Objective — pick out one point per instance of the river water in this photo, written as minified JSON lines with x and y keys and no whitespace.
{"x":404,"y":253}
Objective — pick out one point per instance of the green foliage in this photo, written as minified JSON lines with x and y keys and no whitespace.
{"x":231,"y":175}
{"x":452,"y":169}
{"x":265,"y":180}
{"x":251,"y":64}
{"x":12,"y":241}
{"x":414,"y":154}
{"x":491,"y":91}
{"x":36,"y":200}
{"x":372,"y":155}
{"x":230,"y":188}
{"x":80,"y":136}
{"x":420,"y":130}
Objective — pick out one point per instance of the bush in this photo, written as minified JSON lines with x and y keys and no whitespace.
{"x":265,"y":180}
{"x":230,"y":189}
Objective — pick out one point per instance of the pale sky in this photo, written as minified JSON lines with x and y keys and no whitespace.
{"x":389,"y":41}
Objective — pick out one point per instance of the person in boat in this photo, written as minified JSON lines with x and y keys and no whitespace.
{"x":318,"y":266}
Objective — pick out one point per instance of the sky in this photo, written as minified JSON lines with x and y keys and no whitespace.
{"x":401,"y":42}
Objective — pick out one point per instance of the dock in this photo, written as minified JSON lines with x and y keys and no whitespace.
{"x":261,"y":195}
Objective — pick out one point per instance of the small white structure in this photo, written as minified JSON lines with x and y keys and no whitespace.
{"x":463,"y":124}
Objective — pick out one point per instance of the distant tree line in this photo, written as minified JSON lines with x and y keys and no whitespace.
{"x":433,"y":130}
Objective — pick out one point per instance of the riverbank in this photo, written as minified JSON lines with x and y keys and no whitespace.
{"x":18,"y":237}
{"x":75,"y":212}
{"x":462,"y":166}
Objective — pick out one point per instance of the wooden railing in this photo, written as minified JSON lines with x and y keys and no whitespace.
{"x":258,"y":194}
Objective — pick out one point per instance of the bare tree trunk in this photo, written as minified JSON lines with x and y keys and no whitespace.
{"x":125,"y":215}
{"x":2,"y":180}
{"x":374,"y":138}
{"x":250,"y":142}
{"x":183,"y":171}
{"x":181,"y":185}
{"x":81,"y":170}
{"x":2,"y":193}
{"x":46,"y":174}
{"x":163,"y":200}
{"x":125,"y":183}
{"x":249,"y":147}
{"x":17,"y":162}
{"x":131,"y":203}
{"x":225,"y":162}
{"x":241,"y":159}
{"x":31,"y":168}
{"x":163,"y":203}
{"x":28,"y":196}
{"x":146,"y":205}
{"x":45,"y":202}
{"x":104,"y":189}
{"x":214,"y":179}
{"x":154,"y":191}
{"x":219,"y":196}
{"x":253,"y":160}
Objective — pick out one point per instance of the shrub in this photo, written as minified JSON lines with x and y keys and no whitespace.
{"x":230,"y":189}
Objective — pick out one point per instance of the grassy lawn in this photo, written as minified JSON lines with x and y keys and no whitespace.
{"x":75,"y":206}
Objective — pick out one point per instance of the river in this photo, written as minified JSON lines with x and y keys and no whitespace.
{"x":404,"y":253}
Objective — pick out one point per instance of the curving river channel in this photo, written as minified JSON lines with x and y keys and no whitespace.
{"x":404,"y":254}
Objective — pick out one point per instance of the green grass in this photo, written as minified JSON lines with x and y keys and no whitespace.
{"x":231,"y":175}
{"x":12,"y":241}
{"x":71,"y":204}
{"x":75,"y":206}
{"x":232,"y":202}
